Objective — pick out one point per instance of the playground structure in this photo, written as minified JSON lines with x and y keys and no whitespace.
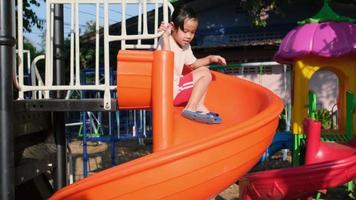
{"x":109,"y":127}
{"x":326,"y":45}
{"x":180,"y":158}
{"x":326,"y":164}
{"x":178,"y":144}
{"x":176,"y":149}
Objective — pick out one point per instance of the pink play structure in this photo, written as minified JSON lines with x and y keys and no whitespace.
{"x":326,"y":165}
{"x":327,"y":40}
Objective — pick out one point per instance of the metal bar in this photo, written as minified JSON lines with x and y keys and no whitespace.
{"x":140,"y":46}
{"x":107,"y":96}
{"x":63,"y":105}
{"x":35,"y":75}
{"x":97,"y":32}
{"x":72,"y":35}
{"x":133,"y":37}
{"x":77,"y":47}
{"x":349,"y":113}
{"x":50,"y":74}
{"x":85,"y":153}
{"x":20,"y":48}
{"x":67,"y":87}
{"x":7,"y":43}
{"x":123,"y":24}
{"x":48,"y":41}
{"x":145,"y":26}
{"x":165,"y":11}
{"x":139,"y":23}
{"x":156,"y":24}
{"x":58,"y":117}
{"x":108,"y":1}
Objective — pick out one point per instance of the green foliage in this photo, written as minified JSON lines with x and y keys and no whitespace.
{"x":30,"y":18}
{"x":27,"y":45}
{"x":325,"y":117}
{"x":87,"y":57}
{"x":259,"y":10}
{"x":90,"y":26}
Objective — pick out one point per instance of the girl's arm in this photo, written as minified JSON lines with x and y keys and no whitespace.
{"x":165,"y":43}
{"x":208,"y":60}
{"x":167,"y":29}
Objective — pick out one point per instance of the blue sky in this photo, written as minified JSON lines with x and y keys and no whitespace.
{"x":87,"y":13}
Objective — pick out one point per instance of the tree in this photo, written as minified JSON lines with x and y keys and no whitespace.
{"x":30,"y":18}
{"x":87,"y":51}
{"x":27,"y":45}
{"x":90,"y":26}
{"x":260,"y":10}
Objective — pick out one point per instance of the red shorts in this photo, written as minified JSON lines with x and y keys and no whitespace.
{"x":185,"y":88}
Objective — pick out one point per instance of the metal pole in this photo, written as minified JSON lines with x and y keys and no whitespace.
{"x":7,"y":43}
{"x":58,"y":117}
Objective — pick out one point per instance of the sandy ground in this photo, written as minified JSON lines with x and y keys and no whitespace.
{"x":99,"y":157}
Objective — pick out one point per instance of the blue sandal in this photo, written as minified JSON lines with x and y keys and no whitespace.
{"x":213,"y":113}
{"x":207,"y":118}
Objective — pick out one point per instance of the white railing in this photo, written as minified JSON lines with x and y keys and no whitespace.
{"x":143,"y":33}
{"x":36,"y":78}
{"x":24,"y":53}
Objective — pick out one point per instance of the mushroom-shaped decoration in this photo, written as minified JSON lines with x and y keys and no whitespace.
{"x":325,"y":35}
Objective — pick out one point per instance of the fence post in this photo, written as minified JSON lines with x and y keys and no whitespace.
{"x":58,"y":117}
{"x":7,"y":43}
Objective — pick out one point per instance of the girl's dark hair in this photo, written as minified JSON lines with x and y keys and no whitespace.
{"x":182,"y":13}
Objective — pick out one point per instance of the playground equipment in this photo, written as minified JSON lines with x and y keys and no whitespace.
{"x":311,"y":47}
{"x":328,"y":135}
{"x":190,"y":160}
{"x":105,"y":126}
{"x":328,"y":44}
{"x":40,"y":116}
{"x":283,"y":139}
{"x":326,"y":165}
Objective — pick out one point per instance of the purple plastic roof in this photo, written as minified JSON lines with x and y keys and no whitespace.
{"x":327,"y":39}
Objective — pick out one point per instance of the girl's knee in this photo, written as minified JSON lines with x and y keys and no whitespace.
{"x":203,"y":72}
{"x":207,"y":73}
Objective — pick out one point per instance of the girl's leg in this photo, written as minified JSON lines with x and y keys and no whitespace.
{"x":201,"y":106}
{"x":201,"y":80}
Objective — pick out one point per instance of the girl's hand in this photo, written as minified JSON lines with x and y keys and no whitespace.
{"x":166,"y":28}
{"x":217,"y":59}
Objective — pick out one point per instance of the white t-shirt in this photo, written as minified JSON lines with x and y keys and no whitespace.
{"x":182,"y":56}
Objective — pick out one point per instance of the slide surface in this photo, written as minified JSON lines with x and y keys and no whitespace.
{"x":296,"y":182}
{"x":204,"y":159}
{"x":326,"y":165}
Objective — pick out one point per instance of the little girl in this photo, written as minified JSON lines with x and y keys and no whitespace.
{"x":191,"y":88}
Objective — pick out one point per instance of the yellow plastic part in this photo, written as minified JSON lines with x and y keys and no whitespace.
{"x":345,"y":69}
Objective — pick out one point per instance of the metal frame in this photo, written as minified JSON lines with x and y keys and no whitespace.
{"x":64,"y":105}
{"x":74,"y":82}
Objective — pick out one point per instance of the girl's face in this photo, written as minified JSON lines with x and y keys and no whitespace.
{"x":185,"y":36}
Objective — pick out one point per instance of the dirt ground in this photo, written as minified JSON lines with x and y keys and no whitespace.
{"x":100,"y":158}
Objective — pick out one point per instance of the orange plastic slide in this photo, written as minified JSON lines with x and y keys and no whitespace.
{"x":190,"y":160}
